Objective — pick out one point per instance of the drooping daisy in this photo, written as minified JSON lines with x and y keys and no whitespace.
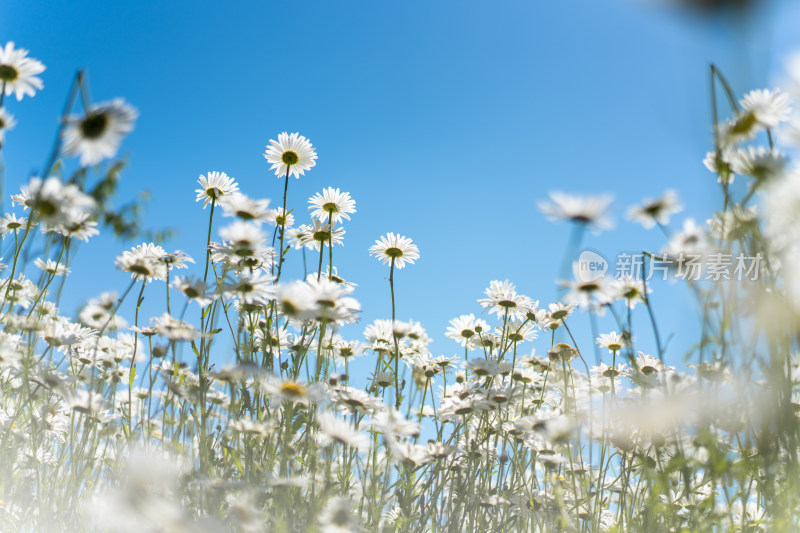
{"x":97,"y":135}
{"x":331,"y":205}
{"x":18,"y":72}
{"x":292,"y":154}
{"x":7,"y":122}
{"x":656,"y":210}
{"x":396,"y":248}
{"x":590,"y":211}
{"x":214,"y":187}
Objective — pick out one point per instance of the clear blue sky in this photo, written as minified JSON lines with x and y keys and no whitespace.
{"x":445,"y":120}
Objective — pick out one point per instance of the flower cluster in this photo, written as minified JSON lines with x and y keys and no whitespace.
{"x":250,"y":400}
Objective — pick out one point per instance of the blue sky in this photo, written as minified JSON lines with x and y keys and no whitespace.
{"x":446,"y":121}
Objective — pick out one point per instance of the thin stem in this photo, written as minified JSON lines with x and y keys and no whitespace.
{"x":283,"y":226}
{"x":396,"y":346}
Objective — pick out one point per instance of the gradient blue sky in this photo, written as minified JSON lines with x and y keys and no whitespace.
{"x":446,"y":121}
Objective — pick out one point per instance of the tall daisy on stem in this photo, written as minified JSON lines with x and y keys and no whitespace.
{"x":289,"y":155}
{"x":332,"y":206}
{"x":397,"y":251}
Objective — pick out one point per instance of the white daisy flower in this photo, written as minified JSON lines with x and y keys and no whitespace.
{"x":243,"y":238}
{"x":174,"y":329}
{"x":630,"y":289}
{"x":53,"y":202}
{"x":296,"y":300}
{"x":647,"y":364}
{"x":318,"y":233}
{"x":332,"y":205}
{"x":379,"y":334}
{"x":194,"y":289}
{"x":396,"y":248}
{"x":292,"y":391}
{"x":761,"y":164}
{"x":255,"y":288}
{"x":246,"y":208}
{"x":80,"y":227}
{"x":589,"y":294}
{"x":292,"y":154}
{"x":279,"y":218}
{"x":51,"y":267}
{"x":768,"y":108}
{"x":656,"y":210}
{"x":720,"y":164}
{"x":502,"y":300}
{"x":687,"y":242}
{"x":214,"y":187}
{"x":612,"y":341}
{"x":465,"y":330}
{"x":590,"y":211}
{"x":338,"y":517}
{"x":12,"y":223}
{"x":333,"y":430}
{"x":332,"y":302}
{"x":143,"y":262}
{"x":18,"y":72}
{"x":7,"y":122}
{"x":97,"y":135}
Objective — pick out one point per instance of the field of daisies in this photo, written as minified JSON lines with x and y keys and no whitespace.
{"x":112,"y":423}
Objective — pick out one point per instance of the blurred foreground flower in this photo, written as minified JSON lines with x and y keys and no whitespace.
{"x":589,"y":211}
{"x":97,"y":135}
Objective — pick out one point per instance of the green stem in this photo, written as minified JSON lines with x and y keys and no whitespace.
{"x":283,"y":226}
